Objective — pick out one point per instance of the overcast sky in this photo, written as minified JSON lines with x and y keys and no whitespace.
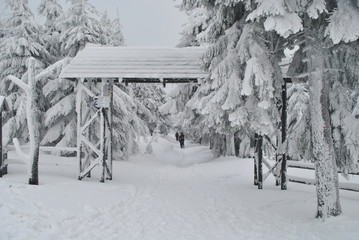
{"x":144,"y":22}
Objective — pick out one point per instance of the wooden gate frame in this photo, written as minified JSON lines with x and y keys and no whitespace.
{"x":91,"y":154}
{"x":281,"y":159}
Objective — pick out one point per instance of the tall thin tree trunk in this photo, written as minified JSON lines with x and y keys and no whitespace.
{"x":323,"y":149}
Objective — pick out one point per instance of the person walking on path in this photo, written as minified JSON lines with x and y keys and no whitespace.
{"x":181,"y":140}
{"x":177,"y":135}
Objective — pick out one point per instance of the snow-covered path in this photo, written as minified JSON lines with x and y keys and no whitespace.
{"x":173,"y":194}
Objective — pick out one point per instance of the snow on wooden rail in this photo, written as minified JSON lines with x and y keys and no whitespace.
{"x":159,"y":63}
{"x":310,"y":166}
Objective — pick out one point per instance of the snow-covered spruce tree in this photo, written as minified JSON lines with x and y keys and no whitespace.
{"x":198,"y":18}
{"x":59,"y":119}
{"x":23,"y":38}
{"x":175,"y":107}
{"x":80,"y":27}
{"x":152,"y":97}
{"x":53,"y":12}
{"x":298,"y":142}
{"x":244,"y":71}
{"x":105,"y":22}
{"x":323,"y":25}
{"x":33,"y":115}
{"x":127,"y":123}
{"x":115,"y":33}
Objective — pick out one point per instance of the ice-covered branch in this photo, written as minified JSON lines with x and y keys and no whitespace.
{"x":18,"y":82}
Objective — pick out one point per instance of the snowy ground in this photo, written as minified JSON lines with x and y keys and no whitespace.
{"x":173,"y":194}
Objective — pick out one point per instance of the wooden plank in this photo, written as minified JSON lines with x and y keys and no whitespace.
{"x":310,"y":166}
{"x":90,"y":121}
{"x":89,"y":168}
{"x":343,"y":186}
{"x":260,"y":161}
{"x":103,"y":134}
{"x":110,"y":120}
{"x":79,"y":132}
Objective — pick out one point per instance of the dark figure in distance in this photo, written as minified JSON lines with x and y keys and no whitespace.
{"x":176,"y":136}
{"x":181,"y":140}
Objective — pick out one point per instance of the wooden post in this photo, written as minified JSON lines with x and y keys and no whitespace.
{"x":103,"y":134}
{"x":79,"y":131}
{"x":260,"y":161}
{"x":1,"y":155}
{"x":255,"y":159}
{"x":277,"y":179}
{"x":283,"y":170}
{"x":110,"y":118}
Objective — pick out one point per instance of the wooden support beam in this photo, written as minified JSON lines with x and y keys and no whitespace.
{"x":283,"y":172}
{"x":144,"y":80}
{"x":253,"y":145}
{"x":79,"y":131}
{"x":1,"y":154}
{"x":88,"y":123}
{"x":103,"y":114}
{"x":110,"y":134}
{"x":260,"y":161}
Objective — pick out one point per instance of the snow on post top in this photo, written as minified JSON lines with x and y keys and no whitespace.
{"x":136,"y":62}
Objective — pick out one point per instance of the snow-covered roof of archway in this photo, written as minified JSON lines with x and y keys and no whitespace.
{"x":136,"y":63}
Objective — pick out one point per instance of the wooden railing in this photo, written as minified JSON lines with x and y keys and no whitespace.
{"x":310,"y":166}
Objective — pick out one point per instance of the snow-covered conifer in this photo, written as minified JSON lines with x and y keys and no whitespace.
{"x":152,"y":97}
{"x":244,"y":71}
{"x":23,"y":38}
{"x":80,"y":27}
{"x":53,"y":12}
{"x":329,"y":123}
{"x":116,"y":37}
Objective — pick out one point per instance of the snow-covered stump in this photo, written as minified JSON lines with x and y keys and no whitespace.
{"x":326,"y":174}
{"x":33,"y":119}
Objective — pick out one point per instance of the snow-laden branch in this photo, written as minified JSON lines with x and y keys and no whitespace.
{"x":18,"y":82}
{"x":54,"y":67}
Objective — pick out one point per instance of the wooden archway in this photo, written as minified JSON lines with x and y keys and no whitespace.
{"x":105,"y":66}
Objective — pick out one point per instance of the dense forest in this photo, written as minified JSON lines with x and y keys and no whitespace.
{"x":252,"y":45}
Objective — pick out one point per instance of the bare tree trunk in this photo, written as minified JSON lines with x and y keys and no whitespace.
{"x":230,"y":144}
{"x":323,"y":148}
{"x":33,"y":121}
